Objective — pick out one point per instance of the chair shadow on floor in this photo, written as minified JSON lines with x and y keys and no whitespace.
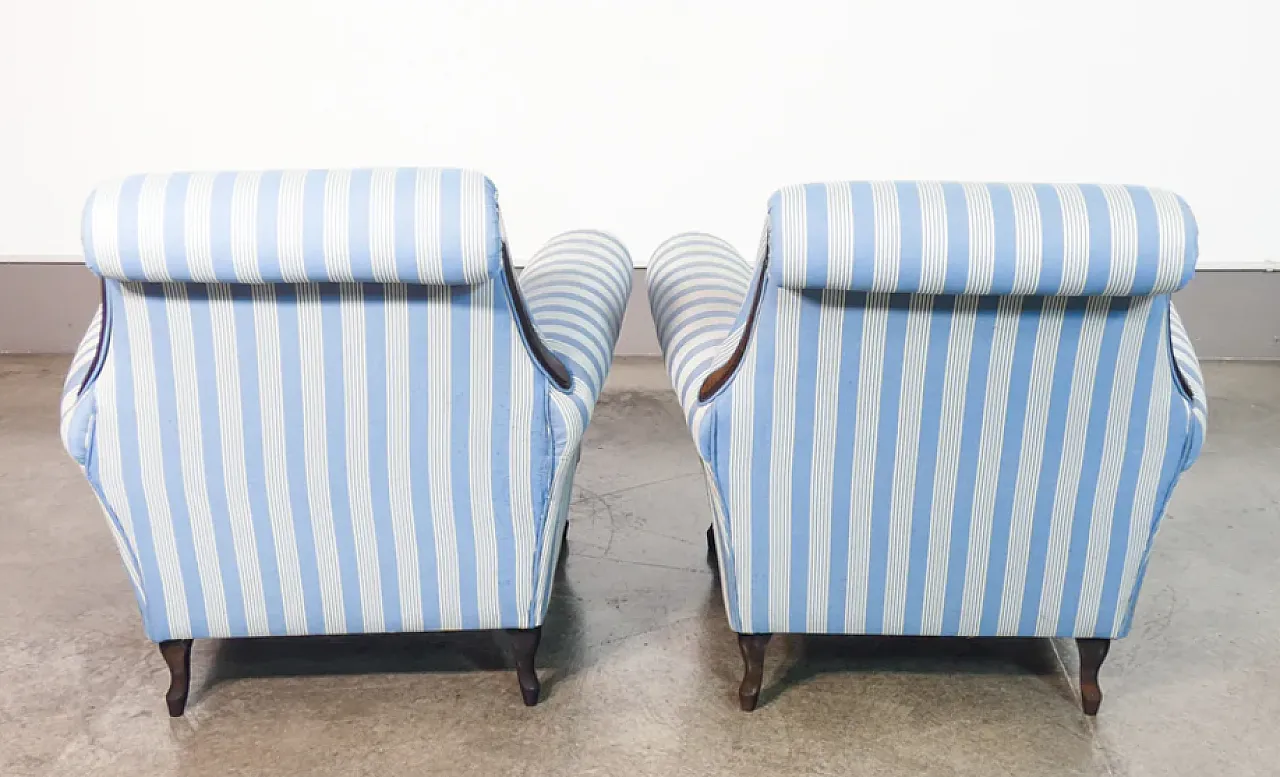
{"x":806,"y":657}
{"x":402,"y":653}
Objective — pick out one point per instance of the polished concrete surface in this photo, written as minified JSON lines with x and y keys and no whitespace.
{"x":639,"y":667}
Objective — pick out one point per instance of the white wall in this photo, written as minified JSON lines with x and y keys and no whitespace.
{"x":645,"y":118}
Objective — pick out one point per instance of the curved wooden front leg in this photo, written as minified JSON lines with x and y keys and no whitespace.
{"x":1092,"y":653}
{"x":752,"y":647}
{"x":177,"y":654}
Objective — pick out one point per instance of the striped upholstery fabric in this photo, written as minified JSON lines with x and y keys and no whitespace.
{"x":894,"y":462}
{"x":409,"y":225}
{"x":282,"y":456}
{"x":967,"y":238}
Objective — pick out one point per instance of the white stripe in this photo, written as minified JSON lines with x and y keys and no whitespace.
{"x":399,"y":460}
{"x":910,"y":409}
{"x":862,"y":479}
{"x":244,"y":227}
{"x":946,"y":473}
{"x":1068,"y":482}
{"x":1035,"y":424}
{"x":137,"y":326}
{"x":316,"y":455}
{"x":274,"y":457}
{"x":355,"y":389}
{"x":1113,"y":454}
{"x":230,"y":432}
{"x":999,"y":371}
{"x":440,"y":452}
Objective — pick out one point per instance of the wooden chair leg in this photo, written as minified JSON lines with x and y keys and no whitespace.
{"x":177,"y":655}
{"x":1092,"y":653}
{"x":752,"y":647}
{"x":524,"y":643}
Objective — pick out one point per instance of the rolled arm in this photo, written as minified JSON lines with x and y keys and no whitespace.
{"x":698,"y":285}
{"x":576,"y":288}
{"x":1192,"y":383}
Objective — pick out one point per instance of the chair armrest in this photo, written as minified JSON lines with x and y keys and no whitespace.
{"x":576,"y":289}
{"x":77,"y":390}
{"x":698,"y":285}
{"x":1190,"y":383}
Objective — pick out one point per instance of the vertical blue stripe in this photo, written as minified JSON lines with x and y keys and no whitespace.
{"x":1148,"y":230}
{"x":811,"y":304}
{"x":287,"y":303}
{"x":1052,"y":241}
{"x":940,"y":322}
{"x":460,"y":436}
{"x":175,"y":226}
{"x":855,"y":309}
{"x":420,"y":456}
{"x":1010,"y":454}
{"x":1095,"y":437}
{"x":1006,"y":236}
{"x":268,"y":222}
{"x":897,"y":312}
{"x":220,"y":194}
{"x":967,"y":472}
{"x":246,"y":337}
{"x":359,"y":248}
{"x":1131,"y":465}
{"x":1099,"y":230}
{"x":127,"y":227}
{"x":762,"y":445}
{"x":864,"y":236}
{"x":335,"y":417}
{"x":171,"y":455}
{"x":373,"y":300}
{"x":500,"y":445}
{"x":1177,"y":431}
{"x":451,"y":224}
{"x":910,"y":236}
{"x":722,"y":435}
{"x":1050,"y":465}
{"x":211,"y":455}
{"x":958,"y":264}
{"x":406,"y":208}
{"x":802,"y":455}
{"x":816,"y":260}
{"x":313,"y":225}
{"x":156,"y":615}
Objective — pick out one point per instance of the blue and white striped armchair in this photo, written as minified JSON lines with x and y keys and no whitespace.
{"x":937,"y":409}
{"x":318,"y":402}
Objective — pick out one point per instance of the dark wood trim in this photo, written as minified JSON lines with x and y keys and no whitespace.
{"x":102,"y":340}
{"x":719,"y":377}
{"x":177,"y":656}
{"x":541,"y":353}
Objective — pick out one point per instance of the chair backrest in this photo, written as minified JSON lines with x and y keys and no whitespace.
{"x":318,"y":408}
{"x":957,"y":410}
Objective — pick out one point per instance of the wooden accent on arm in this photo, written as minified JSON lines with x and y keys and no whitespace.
{"x":719,"y":377}
{"x":541,"y":353}
{"x":96,"y":364}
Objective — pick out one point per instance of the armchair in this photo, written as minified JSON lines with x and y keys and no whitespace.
{"x":937,"y":409}
{"x":319,"y":402}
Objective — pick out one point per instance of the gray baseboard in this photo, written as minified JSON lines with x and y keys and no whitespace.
{"x":1231,"y":314}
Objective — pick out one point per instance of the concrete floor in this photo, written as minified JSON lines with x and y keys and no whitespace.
{"x":638,"y":664}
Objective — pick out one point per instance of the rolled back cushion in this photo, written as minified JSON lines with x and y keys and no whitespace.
{"x":424,"y":226}
{"x":975,"y":238}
